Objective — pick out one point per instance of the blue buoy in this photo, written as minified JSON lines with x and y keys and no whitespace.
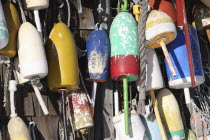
{"x":178,"y":53}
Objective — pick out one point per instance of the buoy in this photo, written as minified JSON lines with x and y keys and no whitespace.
{"x":13,"y":24}
{"x":151,"y":126}
{"x":16,"y":127}
{"x":189,"y":135}
{"x":63,"y":65}
{"x":170,"y":114}
{"x":137,"y":130}
{"x":160,"y":30}
{"x":36,"y":6}
{"x":32,"y":59}
{"x":4,"y":35}
{"x":154,"y":81}
{"x":206,"y":2}
{"x":98,"y":53}
{"x":202,"y":18}
{"x":80,"y":111}
{"x":199,"y":127}
{"x":124,"y":53}
{"x":178,"y":52}
{"x":164,"y":6}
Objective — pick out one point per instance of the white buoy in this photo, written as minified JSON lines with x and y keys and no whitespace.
{"x":4,"y":35}
{"x":32,"y":58}
{"x":154,"y":78}
{"x":137,"y":130}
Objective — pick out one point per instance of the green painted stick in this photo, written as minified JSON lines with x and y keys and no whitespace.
{"x":125,"y":97}
{"x":124,"y":6}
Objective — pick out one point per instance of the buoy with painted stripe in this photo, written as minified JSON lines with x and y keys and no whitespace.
{"x":13,"y":24}
{"x":98,"y":54}
{"x":137,"y":129}
{"x":79,"y":109}
{"x":164,"y":6}
{"x":202,"y":18}
{"x":178,"y":52}
{"x":160,"y":30}
{"x":154,"y":81}
{"x":16,"y":127}
{"x":32,"y":58}
{"x":63,"y":65}
{"x":124,"y":53}
{"x":4,"y":35}
{"x":36,"y":5}
{"x":170,"y":114}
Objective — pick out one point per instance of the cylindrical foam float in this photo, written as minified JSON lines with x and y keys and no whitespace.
{"x":164,"y":6}
{"x":178,"y":53}
{"x":31,"y":52}
{"x":4,"y":35}
{"x":36,"y":4}
{"x":80,"y":112}
{"x":154,"y":78}
{"x":62,"y":58}
{"x":159,"y":26}
{"x":13,"y":24}
{"x":137,"y":130}
{"x":170,"y":114}
{"x":98,"y":49}
{"x":124,"y":47}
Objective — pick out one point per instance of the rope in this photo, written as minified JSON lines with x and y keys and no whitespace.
{"x":21,"y":11}
{"x":69,"y":13}
{"x":143,"y":56}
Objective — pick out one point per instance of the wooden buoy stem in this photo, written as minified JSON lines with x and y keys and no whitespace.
{"x":157,"y":114}
{"x":165,"y":52}
{"x":93,"y":97}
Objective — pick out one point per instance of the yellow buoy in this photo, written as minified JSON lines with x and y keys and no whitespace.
{"x":62,"y":59}
{"x":13,"y":24}
{"x":170,"y":114}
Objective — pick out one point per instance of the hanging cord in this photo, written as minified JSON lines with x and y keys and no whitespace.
{"x":143,"y":56}
{"x":100,"y":10}
{"x":69,"y":13}
{"x":21,"y":11}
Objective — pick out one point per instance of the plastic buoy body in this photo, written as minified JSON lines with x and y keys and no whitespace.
{"x":18,"y":130}
{"x":31,"y":52}
{"x":170,"y":114}
{"x":62,"y":59}
{"x":159,"y":26}
{"x":36,"y":4}
{"x":13,"y":24}
{"x":80,"y":111}
{"x":154,"y":78}
{"x":137,"y":130}
{"x":4,"y":35}
{"x":124,"y":47}
{"x":206,"y":2}
{"x":199,"y":127}
{"x":178,"y":53}
{"x":98,"y":53}
{"x":164,"y":6}
{"x":152,"y":129}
